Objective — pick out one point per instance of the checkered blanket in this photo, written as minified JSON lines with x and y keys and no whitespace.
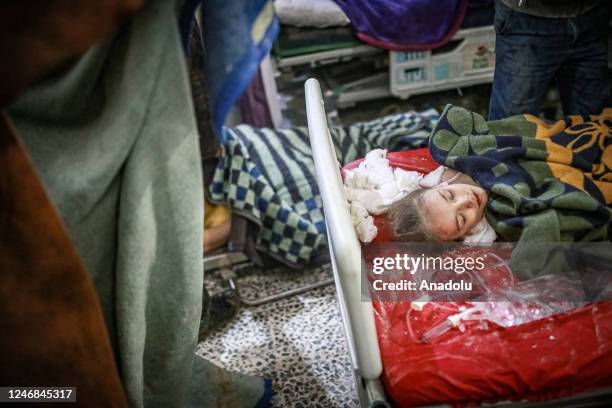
{"x":268,"y":177}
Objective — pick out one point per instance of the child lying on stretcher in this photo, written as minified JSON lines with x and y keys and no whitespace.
{"x":450,"y":210}
{"x":444,"y":205}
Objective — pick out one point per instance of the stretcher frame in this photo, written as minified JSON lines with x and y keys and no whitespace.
{"x":345,"y":253}
{"x":227,"y":263}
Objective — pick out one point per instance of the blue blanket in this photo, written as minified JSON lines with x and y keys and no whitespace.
{"x":268,"y":177}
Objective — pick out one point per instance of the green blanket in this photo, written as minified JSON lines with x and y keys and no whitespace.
{"x":546,"y":182}
{"x":114,"y":140}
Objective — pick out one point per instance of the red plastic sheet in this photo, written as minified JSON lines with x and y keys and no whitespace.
{"x":544,"y":359}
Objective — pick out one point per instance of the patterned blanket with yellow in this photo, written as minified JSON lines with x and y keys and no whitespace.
{"x":546,"y":182}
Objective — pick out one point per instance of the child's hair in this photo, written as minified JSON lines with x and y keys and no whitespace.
{"x":407,"y":221}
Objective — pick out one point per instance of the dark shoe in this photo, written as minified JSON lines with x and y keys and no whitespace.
{"x":218,"y":310}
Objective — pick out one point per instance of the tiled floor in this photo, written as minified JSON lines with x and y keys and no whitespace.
{"x":299,"y":341}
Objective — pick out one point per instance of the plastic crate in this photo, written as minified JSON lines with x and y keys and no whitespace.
{"x":469,"y":59}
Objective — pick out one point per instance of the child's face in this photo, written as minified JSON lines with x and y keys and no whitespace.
{"x":453,"y":210}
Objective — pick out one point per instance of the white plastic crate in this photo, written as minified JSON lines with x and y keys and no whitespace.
{"x":471,"y":61}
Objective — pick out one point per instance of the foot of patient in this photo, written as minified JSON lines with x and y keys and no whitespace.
{"x":217,"y":236}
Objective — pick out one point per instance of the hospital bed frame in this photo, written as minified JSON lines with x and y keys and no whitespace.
{"x":345,"y":254}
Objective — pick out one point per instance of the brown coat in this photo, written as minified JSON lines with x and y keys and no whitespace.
{"x":52,"y":331}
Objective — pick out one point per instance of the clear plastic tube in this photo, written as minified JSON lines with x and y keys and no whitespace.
{"x":436,"y":331}
{"x":409,"y":326}
{"x":526,"y":301}
{"x":427,"y":335}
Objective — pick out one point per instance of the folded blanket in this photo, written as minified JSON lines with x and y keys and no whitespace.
{"x":268,"y":177}
{"x":310,"y":13}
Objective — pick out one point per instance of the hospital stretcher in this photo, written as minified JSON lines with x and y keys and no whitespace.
{"x":361,"y":320}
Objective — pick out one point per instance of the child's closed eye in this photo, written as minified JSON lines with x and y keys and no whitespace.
{"x":460,"y":221}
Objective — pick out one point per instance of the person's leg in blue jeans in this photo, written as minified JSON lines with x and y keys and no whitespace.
{"x":529,"y":51}
{"x":584,"y":81}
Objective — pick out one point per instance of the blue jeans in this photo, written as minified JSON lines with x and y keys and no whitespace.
{"x":532,"y":51}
